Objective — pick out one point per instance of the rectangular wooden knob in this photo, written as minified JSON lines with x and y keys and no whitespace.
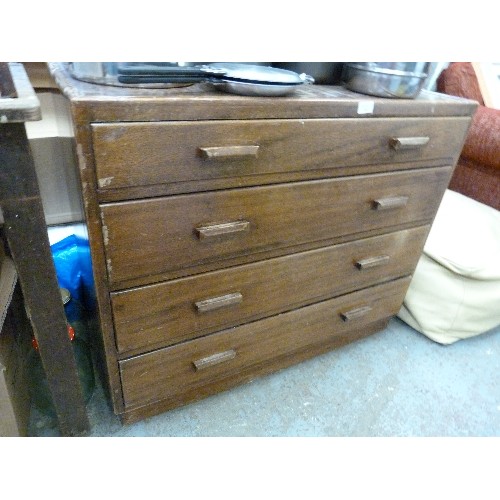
{"x":370,"y":262}
{"x":224,"y":229}
{"x":222,"y":152}
{"x":390,"y":203}
{"x":356,"y":313}
{"x":214,"y":359}
{"x":405,"y":143}
{"x":213,"y":303}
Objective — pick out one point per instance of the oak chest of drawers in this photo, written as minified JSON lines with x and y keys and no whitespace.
{"x":234,"y":236}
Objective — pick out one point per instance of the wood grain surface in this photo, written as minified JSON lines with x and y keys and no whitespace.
{"x":145,"y":240}
{"x":154,"y":316}
{"x":143,"y":154}
{"x":168,"y":372}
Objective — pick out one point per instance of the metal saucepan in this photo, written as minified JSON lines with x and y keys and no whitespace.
{"x":395,"y":80}
{"x":236,"y":78}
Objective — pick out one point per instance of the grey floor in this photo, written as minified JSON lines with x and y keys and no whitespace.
{"x":394,"y":383}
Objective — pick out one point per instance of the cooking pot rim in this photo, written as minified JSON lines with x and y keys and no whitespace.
{"x":386,"y":71}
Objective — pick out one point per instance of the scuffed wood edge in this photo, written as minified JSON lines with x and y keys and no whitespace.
{"x":58,"y":72}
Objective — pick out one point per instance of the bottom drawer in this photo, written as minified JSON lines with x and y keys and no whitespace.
{"x":231,"y":354}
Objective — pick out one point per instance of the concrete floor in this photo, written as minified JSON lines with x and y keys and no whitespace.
{"x":394,"y":383}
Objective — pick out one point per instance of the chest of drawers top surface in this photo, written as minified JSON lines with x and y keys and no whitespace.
{"x":201,"y":102}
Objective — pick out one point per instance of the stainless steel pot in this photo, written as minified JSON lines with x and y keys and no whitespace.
{"x":394,"y":80}
{"x":408,"y":67}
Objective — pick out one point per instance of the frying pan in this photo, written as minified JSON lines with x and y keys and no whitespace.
{"x":236,"y":78}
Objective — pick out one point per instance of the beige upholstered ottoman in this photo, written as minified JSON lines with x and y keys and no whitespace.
{"x":455,"y":291}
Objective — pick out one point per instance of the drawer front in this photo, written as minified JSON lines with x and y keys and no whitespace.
{"x":229,"y":354}
{"x":142,"y":154}
{"x":178,"y":310}
{"x":145,"y":240}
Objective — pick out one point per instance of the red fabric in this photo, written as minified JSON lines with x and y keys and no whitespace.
{"x":483,"y":139}
{"x":477,"y":174}
{"x":460,"y":80}
{"x":477,"y":182}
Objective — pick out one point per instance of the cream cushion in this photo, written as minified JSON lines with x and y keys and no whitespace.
{"x":455,"y":290}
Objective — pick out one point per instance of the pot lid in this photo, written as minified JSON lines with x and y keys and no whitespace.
{"x":253,"y":73}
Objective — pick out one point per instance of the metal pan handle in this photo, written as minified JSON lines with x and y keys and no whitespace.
{"x":167,"y":74}
{"x":307,"y":79}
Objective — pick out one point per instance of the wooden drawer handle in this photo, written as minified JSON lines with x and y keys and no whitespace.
{"x":213,"y":303}
{"x":355,"y":313}
{"x":214,"y":359}
{"x":405,"y":143}
{"x":228,"y":228}
{"x":390,"y":203}
{"x":370,"y":262}
{"x":221,"y":152}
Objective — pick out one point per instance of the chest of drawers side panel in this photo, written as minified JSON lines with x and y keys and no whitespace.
{"x":103,"y":345}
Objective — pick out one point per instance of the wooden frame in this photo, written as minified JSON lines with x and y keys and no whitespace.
{"x":488,"y":76}
{"x":28,"y":243}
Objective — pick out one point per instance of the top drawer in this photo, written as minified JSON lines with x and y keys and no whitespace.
{"x":264,"y":151}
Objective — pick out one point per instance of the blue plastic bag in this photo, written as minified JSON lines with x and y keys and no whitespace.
{"x":74,"y":269}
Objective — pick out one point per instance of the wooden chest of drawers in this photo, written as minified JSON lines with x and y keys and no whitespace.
{"x":234,"y":236}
